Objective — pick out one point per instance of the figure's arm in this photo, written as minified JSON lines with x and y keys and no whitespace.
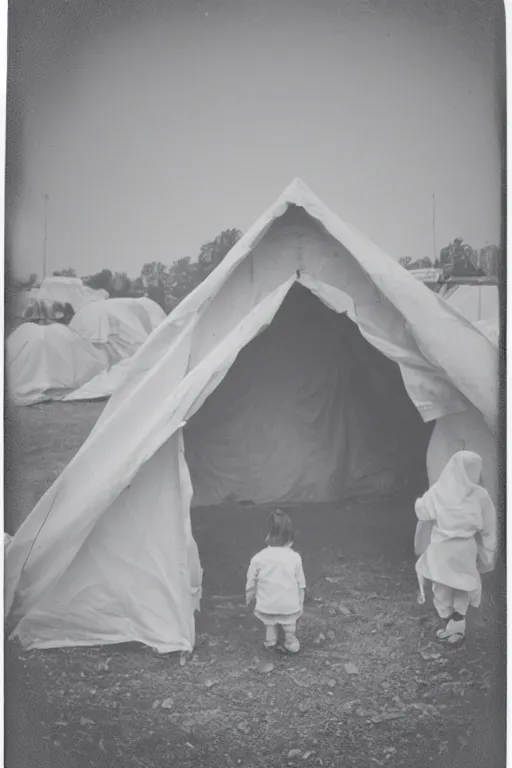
{"x":301,"y":581}
{"x":252,"y":578}
{"x":488,"y":539}
{"x":422,"y":509}
{"x":423,"y":527}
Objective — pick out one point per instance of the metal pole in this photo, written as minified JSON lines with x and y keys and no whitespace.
{"x":46,"y":198}
{"x":434,"y":227}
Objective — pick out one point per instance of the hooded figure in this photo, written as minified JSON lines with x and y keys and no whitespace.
{"x":456,"y":541}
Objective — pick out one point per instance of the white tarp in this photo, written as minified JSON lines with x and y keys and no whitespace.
{"x":131,"y":475}
{"x":116,"y":326}
{"x":69,"y":290}
{"x":46,"y":362}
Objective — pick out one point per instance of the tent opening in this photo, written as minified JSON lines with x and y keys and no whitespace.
{"x":309,"y":412}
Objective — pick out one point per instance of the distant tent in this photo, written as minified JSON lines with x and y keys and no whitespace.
{"x":46,"y":362}
{"x":302,"y":369}
{"x":103,"y":385}
{"x":154,"y":310}
{"x":474,"y":302}
{"x":69,"y":290}
{"x":491,"y":328}
{"x":117,"y":327}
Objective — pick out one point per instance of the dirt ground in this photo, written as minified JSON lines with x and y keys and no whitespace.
{"x":371,"y":685}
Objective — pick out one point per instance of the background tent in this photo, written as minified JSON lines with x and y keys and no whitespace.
{"x":46,"y":362}
{"x":69,"y":290}
{"x":105,"y":383}
{"x":475,"y":302}
{"x":290,"y":286}
{"x":102,"y":385}
{"x":116,"y":327}
{"x":154,"y":310}
{"x":491,"y":328}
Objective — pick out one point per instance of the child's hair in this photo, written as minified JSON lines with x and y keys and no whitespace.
{"x":279,"y":529}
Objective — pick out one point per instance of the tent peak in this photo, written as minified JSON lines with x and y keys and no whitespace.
{"x":295,"y":186}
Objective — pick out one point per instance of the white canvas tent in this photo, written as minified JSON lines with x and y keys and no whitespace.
{"x":491,"y":328}
{"x":154,"y":310}
{"x":69,"y":290}
{"x":117,"y":327}
{"x":105,"y":383}
{"x":107,"y":555}
{"x":46,"y":362}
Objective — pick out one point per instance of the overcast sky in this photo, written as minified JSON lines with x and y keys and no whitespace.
{"x":174,"y":123}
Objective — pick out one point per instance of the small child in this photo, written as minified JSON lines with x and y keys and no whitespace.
{"x":456,"y":540}
{"x":276,"y":580}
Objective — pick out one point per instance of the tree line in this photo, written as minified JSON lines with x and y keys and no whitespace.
{"x":461,"y":260}
{"x":168,"y":285}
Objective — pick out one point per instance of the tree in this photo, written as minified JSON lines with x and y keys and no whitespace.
{"x":212,"y":253}
{"x":121,"y":285}
{"x":424,"y":263}
{"x":101,"y":280}
{"x":68,"y":272}
{"x":458,"y":259}
{"x":155,"y":277}
{"x":153,"y":272}
{"x":489,"y":259}
{"x":181,"y":279}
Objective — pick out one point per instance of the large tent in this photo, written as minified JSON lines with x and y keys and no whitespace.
{"x":303,"y":368}
{"x":47,"y":362}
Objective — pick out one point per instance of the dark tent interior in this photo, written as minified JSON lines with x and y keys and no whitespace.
{"x":309,"y":412}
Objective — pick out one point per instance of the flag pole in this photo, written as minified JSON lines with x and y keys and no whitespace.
{"x":46,"y":198}
{"x":434,"y":227}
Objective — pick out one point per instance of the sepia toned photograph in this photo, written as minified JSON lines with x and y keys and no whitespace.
{"x":255,"y":384}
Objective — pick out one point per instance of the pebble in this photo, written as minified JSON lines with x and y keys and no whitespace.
{"x":167,"y":704}
{"x":351,"y":669}
{"x":294,"y":753}
{"x":266,"y":667}
{"x":86,"y":721}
